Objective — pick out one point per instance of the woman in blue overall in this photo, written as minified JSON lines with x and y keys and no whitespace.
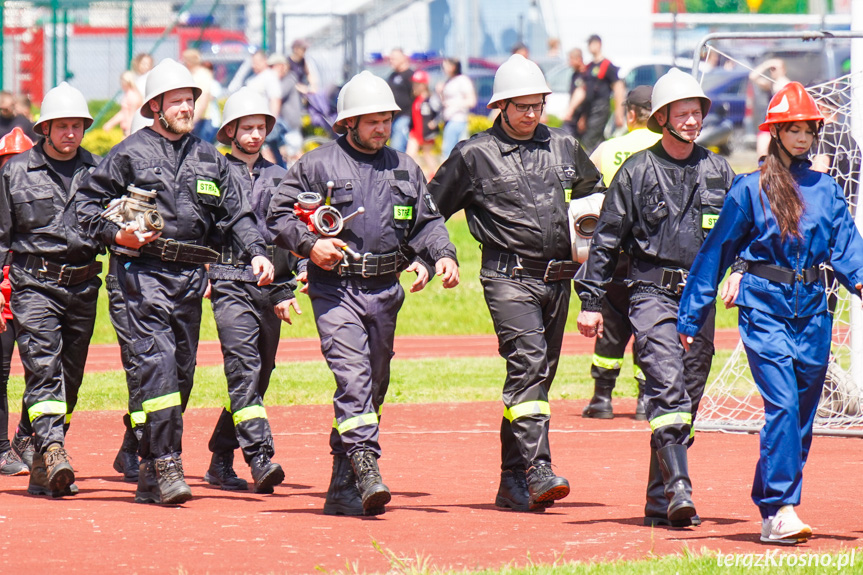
{"x":780,"y":223}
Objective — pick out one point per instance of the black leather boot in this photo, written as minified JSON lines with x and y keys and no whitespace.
{"x":266,"y":473}
{"x":173,"y":489}
{"x":127,"y":461}
{"x":343,"y":496}
{"x":222,"y":474}
{"x":600,"y":404}
{"x":373,"y":492}
{"x":640,"y":413}
{"x":512,"y":492}
{"x":148,"y":485}
{"x":544,"y":487}
{"x":678,"y":487}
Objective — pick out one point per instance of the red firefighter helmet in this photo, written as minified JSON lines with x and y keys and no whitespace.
{"x":792,"y":103}
{"x":15,"y":142}
{"x":420,"y":77}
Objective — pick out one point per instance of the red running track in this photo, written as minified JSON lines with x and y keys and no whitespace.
{"x":106,"y":357}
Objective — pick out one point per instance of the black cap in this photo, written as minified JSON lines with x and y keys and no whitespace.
{"x":640,"y":96}
{"x":594,"y":38}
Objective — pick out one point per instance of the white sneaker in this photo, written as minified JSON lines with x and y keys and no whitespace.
{"x":785,"y":528}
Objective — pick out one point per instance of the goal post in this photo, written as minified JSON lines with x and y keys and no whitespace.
{"x":731,"y":401}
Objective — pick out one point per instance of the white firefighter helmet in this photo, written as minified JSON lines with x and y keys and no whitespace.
{"x":516,"y":77}
{"x":675,"y":85}
{"x":365,"y":93}
{"x":583,"y":217}
{"x":166,"y":76}
{"x":64,"y":101}
{"x":245,"y":102}
{"x":139,"y":122}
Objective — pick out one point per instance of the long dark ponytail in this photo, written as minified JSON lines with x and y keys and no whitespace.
{"x":781,"y":189}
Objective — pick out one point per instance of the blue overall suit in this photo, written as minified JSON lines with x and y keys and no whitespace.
{"x":785,"y":325}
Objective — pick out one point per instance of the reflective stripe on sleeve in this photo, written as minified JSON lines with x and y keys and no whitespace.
{"x":527,"y":408}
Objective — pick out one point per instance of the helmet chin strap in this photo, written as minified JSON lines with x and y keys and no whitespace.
{"x":801,"y":157}
{"x":236,"y":142}
{"x":677,"y":135}
{"x":505,"y":116}
{"x":48,"y":137}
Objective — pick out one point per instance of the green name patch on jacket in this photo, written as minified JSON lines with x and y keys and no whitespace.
{"x":209,"y":188}
{"x":708,"y":221}
{"x":567,"y":194}
{"x":403,"y":212}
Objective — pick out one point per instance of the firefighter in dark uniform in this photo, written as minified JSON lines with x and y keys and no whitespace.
{"x":356,"y":301}
{"x":249,"y":316}
{"x":161,"y":275}
{"x":515,"y":182}
{"x":54,"y":278}
{"x":609,"y":349}
{"x":659,"y":208}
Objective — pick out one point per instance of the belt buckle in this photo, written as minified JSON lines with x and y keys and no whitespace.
{"x":799,"y":278}
{"x":365,"y":260}
{"x":63,"y":278}
{"x":170,"y":244}
{"x":44,"y":269}
{"x":669,"y":280}
{"x":551,"y":264}
{"x":517,"y":268}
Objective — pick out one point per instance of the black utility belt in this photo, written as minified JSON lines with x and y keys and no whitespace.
{"x":670,"y":279}
{"x":169,"y":250}
{"x":516,"y":266}
{"x":371,"y":265}
{"x":64,"y":274}
{"x":229,"y":257}
{"x":784,"y":275}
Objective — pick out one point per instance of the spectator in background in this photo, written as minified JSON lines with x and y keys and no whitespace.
{"x":573,"y":114}
{"x":522,"y":49}
{"x":424,"y":125}
{"x":24,"y":107}
{"x":306,"y":82}
{"x":458,"y":98}
{"x":130,"y":102}
{"x":142,"y":63}
{"x":775,"y":80}
{"x":204,"y":128}
{"x":553,"y":49}
{"x":601,"y":82}
{"x":266,"y":81}
{"x":836,"y":152}
{"x":400,"y":81}
{"x":291,"y":113}
{"x":9,"y":119}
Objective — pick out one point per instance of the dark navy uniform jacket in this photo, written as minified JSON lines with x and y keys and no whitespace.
{"x":37,"y":212}
{"x":199,"y":197}
{"x":746,"y":227}
{"x":399,"y":212}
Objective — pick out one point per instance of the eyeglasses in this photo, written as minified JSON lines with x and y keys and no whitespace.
{"x":525,"y":107}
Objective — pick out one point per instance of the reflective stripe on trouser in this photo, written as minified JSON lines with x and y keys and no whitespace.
{"x":357,"y":329}
{"x":674,"y":379}
{"x":163,"y":307}
{"x":53,"y":326}
{"x":529,"y":318}
{"x":609,"y":350}
{"x":249,"y":336}
{"x":788,"y":359}
{"x":135,"y":418}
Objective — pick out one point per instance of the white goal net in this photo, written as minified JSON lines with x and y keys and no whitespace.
{"x":731,"y":401}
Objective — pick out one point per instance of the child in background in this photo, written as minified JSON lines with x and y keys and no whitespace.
{"x":424,"y":125}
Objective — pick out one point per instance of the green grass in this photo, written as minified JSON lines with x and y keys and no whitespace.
{"x":433,"y":311}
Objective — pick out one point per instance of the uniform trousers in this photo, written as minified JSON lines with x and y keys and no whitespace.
{"x":529,"y":318}
{"x":249,"y":335}
{"x":608,"y":351}
{"x":53,"y":326}
{"x":163,"y":306}
{"x":356,"y":320}
{"x":7,"y":343}
{"x":135,"y":418}
{"x":788,"y":358}
{"x":674,"y":378}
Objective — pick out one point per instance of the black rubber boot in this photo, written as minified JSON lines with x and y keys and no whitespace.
{"x":343,"y":496}
{"x":656,"y":506}
{"x":266,"y":474}
{"x":173,"y":489}
{"x":148,"y":485}
{"x":640,"y":413}
{"x":373,"y":492}
{"x":600,"y":404}
{"x":678,"y":487}
{"x":513,"y":493}
{"x":222,"y":474}
{"x":544,"y":487}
